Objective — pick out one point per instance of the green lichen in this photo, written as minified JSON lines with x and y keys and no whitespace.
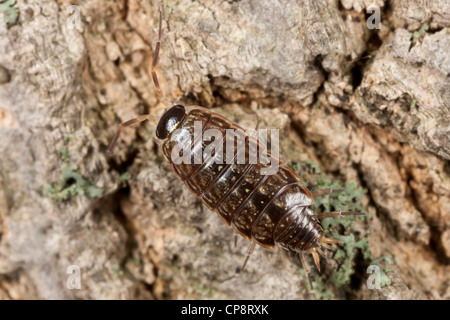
{"x":71,"y":183}
{"x":412,"y":106}
{"x":295,"y":166}
{"x":384,"y":279}
{"x":125,"y":177}
{"x":311,"y":164}
{"x":345,"y":255}
{"x":349,"y":199}
{"x":320,"y":289}
{"x":117,"y":270}
{"x":201,"y":288}
{"x":420,"y":32}
{"x":308,"y":165}
{"x":64,"y":154}
{"x":10,"y":12}
{"x":170,"y":8}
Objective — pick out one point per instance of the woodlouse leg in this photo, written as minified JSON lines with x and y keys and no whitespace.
{"x":324,"y":241}
{"x":329,"y":240}
{"x":249,"y":253}
{"x":324,"y":192}
{"x":236,"y":236}
{"x":326,"y":246}
{"x":335,"y":214}
{"x":129,"y":123}
{"x":306,"y":268}
{"x":157,"y":86}
{"x":235,"y":239}
{"x":257,"y":125}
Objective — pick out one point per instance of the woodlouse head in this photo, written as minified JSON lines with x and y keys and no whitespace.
{"x":170,"y":120}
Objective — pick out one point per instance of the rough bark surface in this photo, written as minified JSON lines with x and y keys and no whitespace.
{"x":368,"y":106}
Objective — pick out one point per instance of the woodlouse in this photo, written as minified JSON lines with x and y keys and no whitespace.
{"x":263,"y":208}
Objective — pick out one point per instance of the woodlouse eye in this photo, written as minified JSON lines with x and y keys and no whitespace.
{"x":169,"y":121}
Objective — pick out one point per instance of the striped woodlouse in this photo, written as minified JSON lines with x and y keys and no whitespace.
{"x":263,"y":208}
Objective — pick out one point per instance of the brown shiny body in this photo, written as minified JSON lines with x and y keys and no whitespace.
{"x":268,"y":209}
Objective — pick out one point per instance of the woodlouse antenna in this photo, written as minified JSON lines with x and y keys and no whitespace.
{"x":157,"y":86}
{"x":336,"y":214}
{"x":323,"y":240}
{"x":324,"y":192}
{"x":155,"y":58}
{"x":129,"y":123}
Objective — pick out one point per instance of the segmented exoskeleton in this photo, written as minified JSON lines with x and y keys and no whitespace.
{"x":265,"y":209}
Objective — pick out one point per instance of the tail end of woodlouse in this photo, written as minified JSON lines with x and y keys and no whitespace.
{"x":316,"y":259}
{"x":315,"y":252}
{"x":319,"y":250}
{"x":324,"y":241}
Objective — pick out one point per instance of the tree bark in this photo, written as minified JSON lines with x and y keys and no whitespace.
{"x":370,"y":106}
